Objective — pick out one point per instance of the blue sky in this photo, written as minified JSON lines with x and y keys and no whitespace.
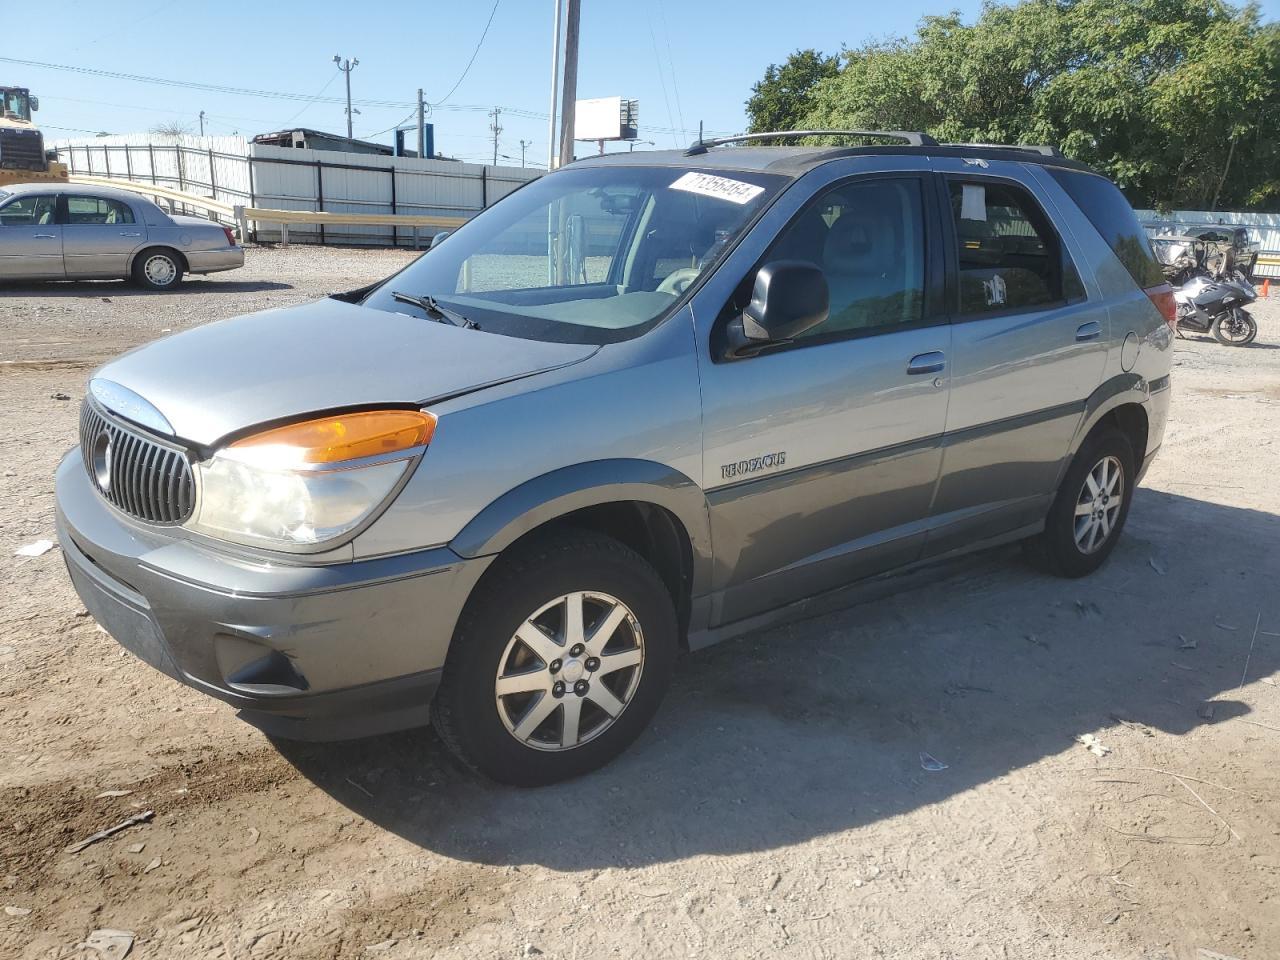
{"x":685,"y":60}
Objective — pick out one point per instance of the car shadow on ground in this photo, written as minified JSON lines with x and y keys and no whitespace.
{"x":123,"y":288}
{"x":818,"y":726}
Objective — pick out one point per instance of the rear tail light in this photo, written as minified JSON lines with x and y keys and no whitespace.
{"x":1162,"y":297}
{"x":231,"y":237}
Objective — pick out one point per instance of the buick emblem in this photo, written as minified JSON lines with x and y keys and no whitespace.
{"x":101,"y":454}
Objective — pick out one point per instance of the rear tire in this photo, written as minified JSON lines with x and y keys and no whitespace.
{"x":1085,"y":521}
{"x":157,"y":269}
{"x":575,"y":700}
{"x":1235,"y":329}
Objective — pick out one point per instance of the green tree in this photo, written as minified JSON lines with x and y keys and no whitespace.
{"x":782,"y":98}
{"x":1177,"y":100}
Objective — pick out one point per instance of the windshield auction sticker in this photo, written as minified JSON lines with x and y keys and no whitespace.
{"x":722,"y":188}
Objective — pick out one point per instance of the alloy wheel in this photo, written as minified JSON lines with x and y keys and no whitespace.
{"x":569,"y":671}
{"x":1098,"y":505}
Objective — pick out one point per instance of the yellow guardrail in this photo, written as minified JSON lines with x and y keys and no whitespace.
{"x":155,"y":190}
{"x":245,"y":215}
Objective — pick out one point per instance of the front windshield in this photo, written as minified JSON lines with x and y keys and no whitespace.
{"x":16,"y":103}
{"x":592,"y":255}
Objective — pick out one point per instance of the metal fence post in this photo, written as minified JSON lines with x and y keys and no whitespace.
{"x":253,"y":198}
{"x":151,"y":155}
{"x":395,"y":234}
{"x":213,"y":180}
{"x":320,"y":195}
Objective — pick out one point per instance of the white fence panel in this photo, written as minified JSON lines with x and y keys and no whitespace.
{"x":234,"y":171}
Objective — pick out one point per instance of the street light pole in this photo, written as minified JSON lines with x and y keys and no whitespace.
{"x":346,"y":68}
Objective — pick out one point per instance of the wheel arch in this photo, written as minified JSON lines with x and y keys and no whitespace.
{"x":1120,"y":402}
{"x":149,"y":247}
{"x":652,"y":508}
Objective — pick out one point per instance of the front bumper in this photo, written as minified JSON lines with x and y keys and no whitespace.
{"x":325,"y":652}
{"x":211,"y":261}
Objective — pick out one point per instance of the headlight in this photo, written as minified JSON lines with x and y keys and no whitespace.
{"x":305,"y":484}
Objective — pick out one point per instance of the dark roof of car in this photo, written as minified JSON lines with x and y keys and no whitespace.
{"x":794,"y":161}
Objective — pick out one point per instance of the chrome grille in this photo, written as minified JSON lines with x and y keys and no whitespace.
{"x":144,"y":478}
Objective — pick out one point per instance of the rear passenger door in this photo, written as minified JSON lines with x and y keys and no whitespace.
{"x":1028,"y":348}
{"x":99,"y":236}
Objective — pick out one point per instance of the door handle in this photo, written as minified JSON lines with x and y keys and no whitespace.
{"x":44,"y":236}
{"x":934,"y":362}
{"x":1088,"y":331}
{"x":124,"y":234}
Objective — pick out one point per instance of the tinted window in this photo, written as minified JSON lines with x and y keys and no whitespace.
{"x":1102,"y":202}
{"x":97,"y":210}
{"x":868,"y":239}
{"x":32,"y":210}
{"x":1008,"y":254}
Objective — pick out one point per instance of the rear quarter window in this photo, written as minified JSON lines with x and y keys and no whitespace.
{"x":1102,"y":202}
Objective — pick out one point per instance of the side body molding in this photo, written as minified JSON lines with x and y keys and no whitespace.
{"x":563,"y":491}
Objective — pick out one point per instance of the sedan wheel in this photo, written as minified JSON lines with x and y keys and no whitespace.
{"x":157,"y":270}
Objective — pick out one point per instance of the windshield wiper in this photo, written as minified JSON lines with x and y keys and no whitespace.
{"x":432,"y":308}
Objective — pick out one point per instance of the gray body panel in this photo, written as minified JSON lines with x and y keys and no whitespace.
{"x":879,"y":470}
{"x":322,"y":356}
{"x":107,"y":251}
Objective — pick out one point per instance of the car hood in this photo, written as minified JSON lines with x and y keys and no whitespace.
{"x":276,"y":365}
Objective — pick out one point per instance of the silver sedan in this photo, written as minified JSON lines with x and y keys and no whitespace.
{"x":69,"y":232}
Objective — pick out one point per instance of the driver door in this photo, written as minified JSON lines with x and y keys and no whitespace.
{"x":31,"y":238}
{"x":821,"y":455}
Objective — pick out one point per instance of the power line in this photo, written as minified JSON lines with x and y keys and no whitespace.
{"x":475,"y":53}
{"x":328,"y":83}
{"x":657,"y":61}
{"x":675,"y":83}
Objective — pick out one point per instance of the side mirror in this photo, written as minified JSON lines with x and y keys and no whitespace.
{"x":789,"y":297}
{"x":438,"y":239}
{"x":35,"y":104}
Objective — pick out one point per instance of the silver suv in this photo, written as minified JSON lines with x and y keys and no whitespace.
{"x":642,"y":404}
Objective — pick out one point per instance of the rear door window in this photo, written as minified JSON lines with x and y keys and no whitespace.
{"x":1009,"y":256}
{"x":100,"y":210}
{"x":1102,"y":202}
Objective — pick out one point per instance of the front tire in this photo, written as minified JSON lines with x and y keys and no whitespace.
{"x":559,"y":661}
{"x":1235,"y":328}
{"x":1090,"y":509}
{"x":157,"y":269}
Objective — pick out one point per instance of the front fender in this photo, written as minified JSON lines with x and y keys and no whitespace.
{"x":563,"y":491}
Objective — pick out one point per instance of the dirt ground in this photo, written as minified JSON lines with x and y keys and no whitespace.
{"x":779,"y":806}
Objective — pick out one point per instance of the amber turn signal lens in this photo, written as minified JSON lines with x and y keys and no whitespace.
{"x":348,"y":436}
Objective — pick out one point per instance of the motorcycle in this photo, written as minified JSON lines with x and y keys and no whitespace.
{"x":1209,"y":299}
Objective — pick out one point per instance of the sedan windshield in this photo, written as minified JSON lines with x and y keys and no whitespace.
{"x":592,"y":255}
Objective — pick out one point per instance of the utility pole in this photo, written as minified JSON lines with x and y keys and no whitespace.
{"x":346,"y":68}
{"x":202,"y":123}
{"x":555,"y":87}
{"x":569,"y":95}
{"x":524,"y":145}
{"x":422,"y":126}
{"x":497,"y":129}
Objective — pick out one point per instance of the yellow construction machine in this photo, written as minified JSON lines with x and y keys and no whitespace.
{"x":22,"y":155}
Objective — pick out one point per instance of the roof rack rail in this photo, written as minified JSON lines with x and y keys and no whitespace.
{"x":1043,"y":149}
{"x":911,"y":137}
